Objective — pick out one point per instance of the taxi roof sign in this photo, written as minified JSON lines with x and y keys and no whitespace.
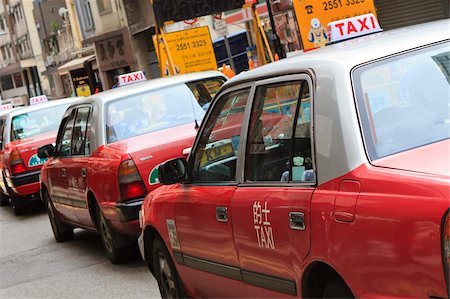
{"x":131,"y":78}
{"x":353,"y":27}
{"x":38,"y":100}
{"x":5,"y":107}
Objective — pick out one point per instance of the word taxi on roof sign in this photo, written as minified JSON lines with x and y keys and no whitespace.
{"x":131,"y":78}
{"x":313,"y":16}
{"x":5,"y":107}
{"x":353,"y":27}
{"x":38,"y":100}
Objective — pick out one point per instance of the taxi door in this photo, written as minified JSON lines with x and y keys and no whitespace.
{"x":77,"y":171}
{"x":58,"y":166}
{"x":210,"y":266}
{"x":271,"y":207}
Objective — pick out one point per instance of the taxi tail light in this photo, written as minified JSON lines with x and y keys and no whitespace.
{"x":130,"y":182}
{"x":446,"y":246}
{"x":16,"y":162}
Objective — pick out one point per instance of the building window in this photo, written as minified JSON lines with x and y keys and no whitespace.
{"x":87,"y":15}
{"x":2,"y":23}
{"x":104,"y":6}
{"x":7,"y":82}
{"x":18,"y":80}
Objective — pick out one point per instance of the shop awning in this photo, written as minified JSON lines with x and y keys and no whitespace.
{"x":74,"y":64}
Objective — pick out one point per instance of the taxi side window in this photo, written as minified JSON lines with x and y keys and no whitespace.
{"x":80,"y":135}
{"x":205,"y":90}
{"x":216,"y":155}
{"x":279,"y":141}
{"x":63,"y":144}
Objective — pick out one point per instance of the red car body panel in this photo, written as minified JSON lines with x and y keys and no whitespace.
{"x":28,"y":150}
{"x":421,"y":159}
{"x":393,"y":228}
{"x":403,"y":214}
{"x":151,"y":149}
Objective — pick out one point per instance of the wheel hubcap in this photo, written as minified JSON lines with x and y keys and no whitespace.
{"x":107,"y":237}
{"x":167,"y":279}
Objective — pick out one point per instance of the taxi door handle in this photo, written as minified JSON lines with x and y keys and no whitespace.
{"x":221,"y":214}
{"x":83,"y":172}
{"x":63,"y":172}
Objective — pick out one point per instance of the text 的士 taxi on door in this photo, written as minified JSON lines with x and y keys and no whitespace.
{"x":22,"y":132}
{"x":321,"y":176}
{"x":108,"y":149}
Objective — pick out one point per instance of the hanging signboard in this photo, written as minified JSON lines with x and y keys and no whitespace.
{"x":179,"y":10}
{"x":313,"y":16}
{"x":191,"y":50}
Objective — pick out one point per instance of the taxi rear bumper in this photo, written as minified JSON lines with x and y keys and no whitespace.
{"x":24,"y":178}
{"x":24,"y":184}
{"x":129,"y":210}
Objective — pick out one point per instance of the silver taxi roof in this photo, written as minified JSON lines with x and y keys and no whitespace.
{"x":355,"y":51}
{"x":153,"y":84}
{"x":53,"y":103}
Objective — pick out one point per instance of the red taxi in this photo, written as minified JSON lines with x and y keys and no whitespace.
{"x":22,"y":132}
{"x":325,"y":175}
{"x":108,"y":150}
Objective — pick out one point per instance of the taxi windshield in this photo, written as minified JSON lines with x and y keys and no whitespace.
{"x":404,"y":102}
{"x":152,"y":111}
{"x":37,"y":122}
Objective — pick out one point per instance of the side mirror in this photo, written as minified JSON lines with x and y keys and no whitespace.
{"x":173,"y":171}
{"x":46,"y":151}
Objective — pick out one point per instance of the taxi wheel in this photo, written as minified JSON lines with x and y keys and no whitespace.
{"x":61,"y":231}
{"x":18,"y":208}
{"x":4,"y":201}
{"x":166,"y":274}
{"x":110,"y":240}
{"x":337,"y":289}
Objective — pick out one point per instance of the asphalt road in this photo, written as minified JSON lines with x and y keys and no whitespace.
{"x":34,"y":265}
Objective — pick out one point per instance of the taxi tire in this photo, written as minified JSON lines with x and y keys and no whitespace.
{"x":161,"y":254}
{"x":61,"y":231}
{"x":337,"y":289}
{"x":18,"y":208}
{"x":111,"y":241}
{"x":4,"y":201}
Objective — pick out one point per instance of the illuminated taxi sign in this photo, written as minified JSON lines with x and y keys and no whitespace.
{"x":5,"y":107}
{"x":353,"y":27}
{"x":38,"y":100}
{"x":131,"y":78}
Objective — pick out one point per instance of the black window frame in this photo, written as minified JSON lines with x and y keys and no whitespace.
{"x":191,"y":162}
{"x":86,"y":131}
{"x":305,"y":82}
{"x":71,"y":113}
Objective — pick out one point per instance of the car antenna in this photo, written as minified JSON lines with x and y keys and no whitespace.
{"x":192,"y":105}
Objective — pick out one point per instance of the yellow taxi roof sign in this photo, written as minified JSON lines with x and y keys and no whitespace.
{"x":353,"y":27}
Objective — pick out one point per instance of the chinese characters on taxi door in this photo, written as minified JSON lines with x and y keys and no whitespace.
{"x":263,"y":229}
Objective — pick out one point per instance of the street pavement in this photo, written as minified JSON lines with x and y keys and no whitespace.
{"x":34,"y":265}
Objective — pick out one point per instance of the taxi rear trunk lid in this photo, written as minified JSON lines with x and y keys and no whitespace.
{"x":431,"y":159}
{"x":151,"y":149}
{"x":28,"y":149}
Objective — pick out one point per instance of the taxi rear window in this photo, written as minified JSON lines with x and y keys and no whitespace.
{"x":152,"y":111}
{"x":404,"y":101}
{"x":37,"y":122}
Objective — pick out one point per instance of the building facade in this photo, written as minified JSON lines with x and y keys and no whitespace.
{"x":21,"y":59}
